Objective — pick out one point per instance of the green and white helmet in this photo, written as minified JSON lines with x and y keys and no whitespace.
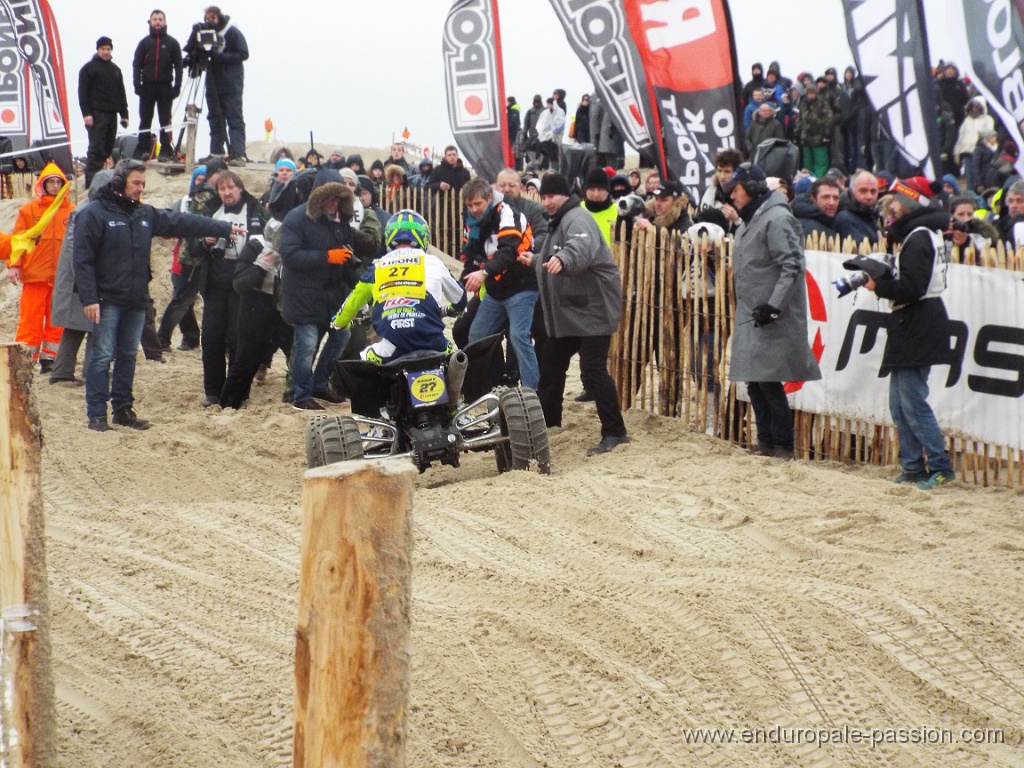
{"x":407,"y":227}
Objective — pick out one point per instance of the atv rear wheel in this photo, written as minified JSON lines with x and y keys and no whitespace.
{"x":522,"y":420}
{"x":330,"y":439}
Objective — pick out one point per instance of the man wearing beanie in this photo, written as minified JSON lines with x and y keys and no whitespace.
{"x":581,"y":296}
{"x":918,"y":332}
{"x":102,"y":98}
{"x":599,"y":202}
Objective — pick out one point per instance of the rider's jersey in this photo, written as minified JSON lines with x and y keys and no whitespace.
{"x":408,"y":289}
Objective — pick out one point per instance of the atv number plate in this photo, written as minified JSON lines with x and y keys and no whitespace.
{"x":427,"y":388}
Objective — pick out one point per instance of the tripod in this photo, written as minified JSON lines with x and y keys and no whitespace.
{"x":193,"y":98}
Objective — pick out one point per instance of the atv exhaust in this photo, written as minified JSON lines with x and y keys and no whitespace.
{"x":457,"y":365}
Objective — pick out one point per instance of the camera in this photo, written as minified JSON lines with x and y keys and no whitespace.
{"x":207,"y":38}
{"x":850,"y":283}
{"x":629,"y":206}
{"x":971,"y":226}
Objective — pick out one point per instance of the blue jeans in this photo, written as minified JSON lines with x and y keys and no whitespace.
{"x":306,"y":378}
{"x":116,"y":339}
{"x":518,"y":309}
{"x":920,"y":437}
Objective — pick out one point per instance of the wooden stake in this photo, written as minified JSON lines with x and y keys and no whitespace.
{"x":351,"y":641}
{"x":30,"y":736}
{"x":191,"y":126}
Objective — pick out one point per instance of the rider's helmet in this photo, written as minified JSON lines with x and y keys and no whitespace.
{"x":407,"y":227}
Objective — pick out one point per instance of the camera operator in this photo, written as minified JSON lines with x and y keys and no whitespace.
{"x":219,"y":48}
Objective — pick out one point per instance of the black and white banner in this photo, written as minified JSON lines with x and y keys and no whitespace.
{"x":890,"y":48}
{"x":979,"y":395}
{"x":992,"y":49}
{"x":14,"y":120}
{"x":599,"y":33}
{"x":475,"y":85}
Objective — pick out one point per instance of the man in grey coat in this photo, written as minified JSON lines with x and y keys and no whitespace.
{"x":581,"y":296}
{"x":769,"y":343}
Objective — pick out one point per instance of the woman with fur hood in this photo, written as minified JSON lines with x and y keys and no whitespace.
{"x":321,"y":253}
{"x":394,"y":180}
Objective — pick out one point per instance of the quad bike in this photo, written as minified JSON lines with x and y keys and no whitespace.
{"x":433,"y":406}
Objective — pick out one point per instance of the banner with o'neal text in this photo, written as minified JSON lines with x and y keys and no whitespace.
{"x":978,"y":394}
{"x":688,"y":53}
{"x":475,"y":85}
{"x":992,"y":50}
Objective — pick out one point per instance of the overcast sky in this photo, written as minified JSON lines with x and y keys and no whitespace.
{"x":356,"y":72}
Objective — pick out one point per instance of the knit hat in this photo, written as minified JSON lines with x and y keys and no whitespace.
{"x":365,"y":183}
{"x":884,"y":181}
{"x":950,"y":179}
{"x":619,"y":185}
{"x":803,"y":184}
{"x":215,"y":165}
{"x":555,"y":184}
{"x":609,"y":171}
{"x":377,"y":165}
{"x":284,"y":162}
{"x":1010,"y":149}
{"x":912,"y":192}
{"x":347,"y":174}
{"x":599,"y":179}
{"x":104,"y":41}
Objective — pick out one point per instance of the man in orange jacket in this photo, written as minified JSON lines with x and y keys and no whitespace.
{"x":34,"y":265}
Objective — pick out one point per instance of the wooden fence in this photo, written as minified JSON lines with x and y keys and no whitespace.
{"x":442,"y":210}
{"x":669,"y":357}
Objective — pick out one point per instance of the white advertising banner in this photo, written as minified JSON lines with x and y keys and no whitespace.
{"x":978,"y":395}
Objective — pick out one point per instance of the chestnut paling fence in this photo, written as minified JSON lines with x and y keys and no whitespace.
{"x":670,"y":355}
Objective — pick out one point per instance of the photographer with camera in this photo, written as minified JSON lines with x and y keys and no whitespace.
{"x":217,"y":47}
{"x":102,"y":98}
{"x":917,"y":334}
{"x":967,"y":229}
{"x":156,"y":76}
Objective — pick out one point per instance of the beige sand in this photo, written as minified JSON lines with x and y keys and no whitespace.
{"x":589,"y":618}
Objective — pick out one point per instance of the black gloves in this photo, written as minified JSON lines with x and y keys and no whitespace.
{"x":764,"y":314}
{"x":175,"y":91}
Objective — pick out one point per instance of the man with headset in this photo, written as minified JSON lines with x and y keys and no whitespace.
{"x":112,"y":242}
{"x":770,"y":344}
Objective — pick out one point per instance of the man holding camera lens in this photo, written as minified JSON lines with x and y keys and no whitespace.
{"x":217,"y":46}
{"x":770,"y":343}
{"x":102,"y":98}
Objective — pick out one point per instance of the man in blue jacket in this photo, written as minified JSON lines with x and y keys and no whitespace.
{"x":113,"y":237}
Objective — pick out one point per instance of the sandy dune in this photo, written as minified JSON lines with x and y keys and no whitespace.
{"x":589,"y":618}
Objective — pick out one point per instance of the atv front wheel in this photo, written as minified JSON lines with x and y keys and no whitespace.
{"x":332,"y":438}
{"x":522,"y":420}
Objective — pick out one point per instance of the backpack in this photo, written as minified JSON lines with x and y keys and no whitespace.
{"x":777,"y":157}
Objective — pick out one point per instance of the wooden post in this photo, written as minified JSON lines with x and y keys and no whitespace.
{"x":28,"y":727}
{"x":191,"y":128}
{"x":351,"y":641}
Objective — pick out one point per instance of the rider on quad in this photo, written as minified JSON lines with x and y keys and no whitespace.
{"x":411,"y":291}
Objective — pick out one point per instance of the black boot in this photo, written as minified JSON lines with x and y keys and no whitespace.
{"x":125,"y":417}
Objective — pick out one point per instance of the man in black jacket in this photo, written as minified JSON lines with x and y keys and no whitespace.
{"x":225,"y":81}
{"x":102,"y":98}
{"x":858,"y":211}
{"x":156,"y":75}
{"x":816,"y":211}
{"x":112,"y":244}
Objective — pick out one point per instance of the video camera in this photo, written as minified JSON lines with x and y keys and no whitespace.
{"x":198,"y":59}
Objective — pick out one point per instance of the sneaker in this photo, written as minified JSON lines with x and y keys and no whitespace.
{"x":912,"y":478}
{"x":936,"y":480}
{"x":309,"y":404}
{"x":208,"y":158}
{"x":99,"y":424}
{"x":125,"y":417}
{"x":186,"y":346}
{"x":65,"y":380}
{"x":235,"y":161}
{"x":584,"y":397}
{"x":329,"y":395}
{"x":607,"y":444}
